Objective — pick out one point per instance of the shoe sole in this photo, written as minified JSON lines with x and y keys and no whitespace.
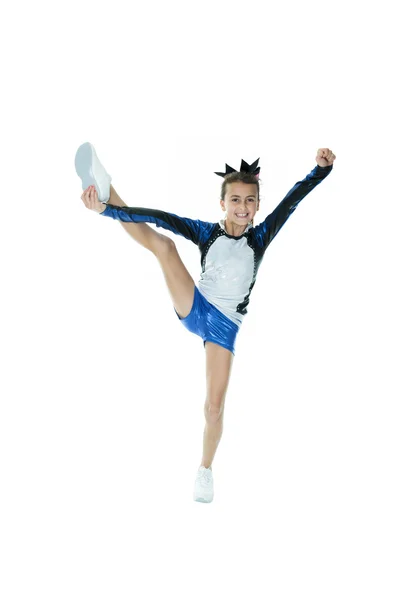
{"x":84,"y":159}
{"x":83,"y":164}
{"x":200,"y":496}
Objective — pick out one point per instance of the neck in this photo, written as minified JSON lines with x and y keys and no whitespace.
{"x":234,"y":229}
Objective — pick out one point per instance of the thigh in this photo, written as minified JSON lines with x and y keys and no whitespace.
{"x":179,"y":281}
{"x":219,"y":362}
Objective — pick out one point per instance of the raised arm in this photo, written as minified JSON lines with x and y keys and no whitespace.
{"x":267,"y":230}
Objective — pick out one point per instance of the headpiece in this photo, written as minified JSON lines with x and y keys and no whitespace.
{"x":244,"y":167}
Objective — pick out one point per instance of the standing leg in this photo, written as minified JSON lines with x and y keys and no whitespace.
{"x":218,"y":369}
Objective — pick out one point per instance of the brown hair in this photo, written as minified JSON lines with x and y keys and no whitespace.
{"x":242,"y":176}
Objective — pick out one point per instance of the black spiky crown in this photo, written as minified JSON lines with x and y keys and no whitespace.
{"x":244,"y":167}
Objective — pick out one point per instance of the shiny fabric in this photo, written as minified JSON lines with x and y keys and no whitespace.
{"x":229,"y":264}
{"x":206,"y":321}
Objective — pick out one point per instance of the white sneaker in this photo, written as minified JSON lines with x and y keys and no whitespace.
{"x":92,"y":172}
{"x":204,"y":485}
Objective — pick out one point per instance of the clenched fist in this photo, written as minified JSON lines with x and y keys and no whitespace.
{"x":325,"y":157}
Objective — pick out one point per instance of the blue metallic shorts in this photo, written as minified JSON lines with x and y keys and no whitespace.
{"x":206,"y":321}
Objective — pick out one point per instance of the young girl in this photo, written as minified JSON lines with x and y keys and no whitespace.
{"x":231,"y":253}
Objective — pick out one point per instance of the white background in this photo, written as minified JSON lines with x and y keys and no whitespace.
{"x":102,"y":389}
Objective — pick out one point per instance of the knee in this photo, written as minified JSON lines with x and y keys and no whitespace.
{"x":214,"y":408}
{"x":166,"y":244}
{"x":162,"y":245}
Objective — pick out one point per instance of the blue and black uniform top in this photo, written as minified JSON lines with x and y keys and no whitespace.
{"x":229,"y":264}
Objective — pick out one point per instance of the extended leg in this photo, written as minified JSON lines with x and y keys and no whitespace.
{"x":179,"y":281}
{"x":141,"y":232}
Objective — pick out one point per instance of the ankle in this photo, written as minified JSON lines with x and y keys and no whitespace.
{"x":114,"y":199}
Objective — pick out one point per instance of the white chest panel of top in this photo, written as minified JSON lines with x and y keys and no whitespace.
{"x":230,"y":263}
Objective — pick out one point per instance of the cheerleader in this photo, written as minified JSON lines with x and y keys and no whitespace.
{"x":231,"y":252}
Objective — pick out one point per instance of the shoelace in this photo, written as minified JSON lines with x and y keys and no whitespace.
{"x":204,"y":477}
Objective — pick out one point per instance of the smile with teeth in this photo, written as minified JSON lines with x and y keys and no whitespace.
{"x":242,"y":215}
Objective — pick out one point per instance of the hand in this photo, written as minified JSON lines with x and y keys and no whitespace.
{"x":91,"y":200}
{"x":325,"y":157}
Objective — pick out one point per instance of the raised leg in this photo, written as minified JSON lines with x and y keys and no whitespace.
{"x":141,"y":232}
{"x":179,"y":281}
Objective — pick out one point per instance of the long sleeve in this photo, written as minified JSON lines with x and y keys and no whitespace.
{"x":195,"y":230}
{"x":267,"y":230}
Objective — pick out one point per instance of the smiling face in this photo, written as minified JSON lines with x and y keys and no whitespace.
{"x":241,"y":204}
